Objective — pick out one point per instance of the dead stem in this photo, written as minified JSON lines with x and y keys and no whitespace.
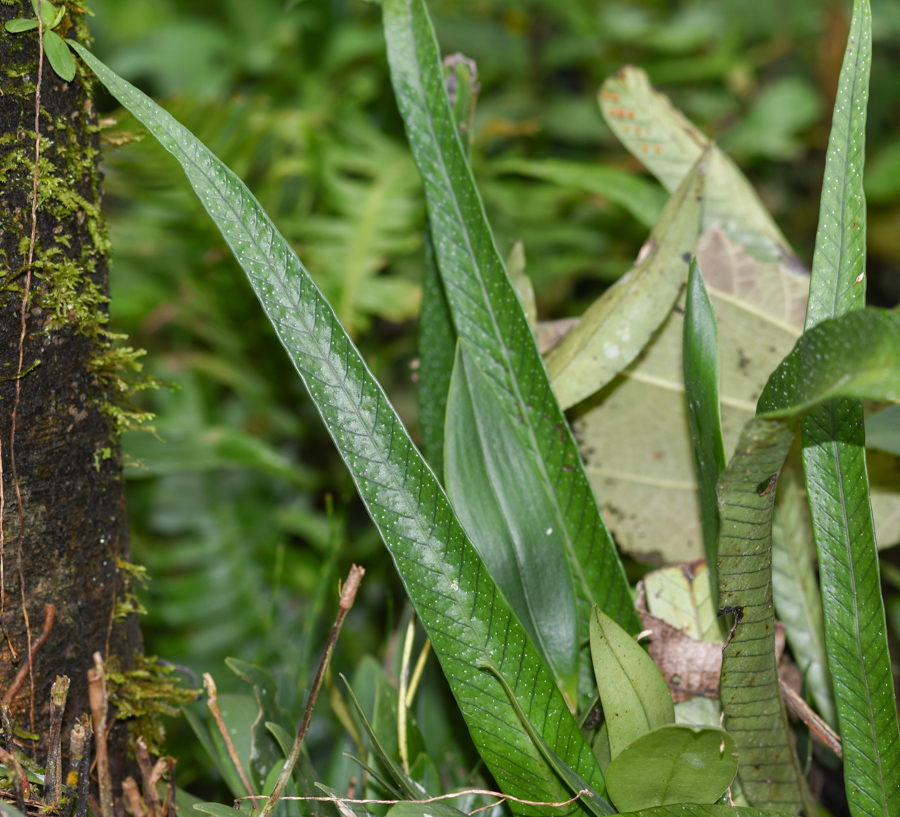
{"x":213,"y":704}
{"x":53,"y":778}
{"x":348,"y":594}
{"x":99,"y":705}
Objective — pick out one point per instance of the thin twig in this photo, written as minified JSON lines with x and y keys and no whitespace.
{"x":499,"y":795}
{"x":212,"y":702}
{"x":825,"y":734}
{"x":25,"y":669}
{"x":84,"y":772}
{"x":169,"y":804}
{"x":99,"y":706}
{"x":53,"y":776}
{"x":348,"y":594}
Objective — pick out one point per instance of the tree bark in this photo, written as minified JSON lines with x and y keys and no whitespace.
{"x":64,"y":537}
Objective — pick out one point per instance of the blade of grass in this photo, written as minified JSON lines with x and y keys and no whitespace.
{"x":835,"y":466}
{"x":701,"y":387}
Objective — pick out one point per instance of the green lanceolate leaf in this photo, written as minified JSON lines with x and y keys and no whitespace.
{"x":634,"y":694}
{"x":465,"y":615}
{"x":437,"y":347}
{"x":835,"y":466}
{"x":438,"y":809}
{"x":642,"y":198}
{"x":672,"y":764}
{"x":487,"y":312}
{"x":798,"y":601}
{"x":496,"y":487}
{"x":854,"y":356}
{"x":700,"y":355}
{"x":692,"y":810}
{"x":615,"y":328}
{"x":668,"y":145}
{"x":59,"y":56}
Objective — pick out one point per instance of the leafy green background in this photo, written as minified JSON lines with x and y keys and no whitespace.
{"x":230,"y":512}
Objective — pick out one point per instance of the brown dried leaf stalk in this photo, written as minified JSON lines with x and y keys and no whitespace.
{"x":53,"y":778}
{"x":99,"y":706}
{"x":133,"y":796}
{"x":150,"y":794}
{"x":213,"y":703}
{"x":348,"y":594}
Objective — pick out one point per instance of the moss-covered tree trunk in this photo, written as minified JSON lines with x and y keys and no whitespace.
{"x":64,"y":534}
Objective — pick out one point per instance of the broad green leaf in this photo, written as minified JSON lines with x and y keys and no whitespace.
{"x":59,"y":56}
{"x":798,"y":601}
{"x":595,"y":802}
{"x":403,"y":781}
{"x":218,"y":810}
{"x":465,"y":615}
{"x":680,"y":596}
{"x":437,"y":348}
{"x":858,"y":356}
{"x":438,"y":809}
{"x":620,"y":322}
{"x":640,"y":197}
{"x":835,"y":465}
{"x":238,"y":712}
{"x":437,"y":336}
{"x":20,"y":24}
{"x":668,"y":145}
{"x":496,"y":488}
{"x":883,"y":430}
{"x":672,"y":764}
{"x":692,"y":810}
{"x":635,"y":435}
{"x":487,"y":313}
{"x":635,"y":697}
{"x":700,"y":352}
{"x":222,"y":762}
{"x":264,"y":754}
{"x":47,"y":12}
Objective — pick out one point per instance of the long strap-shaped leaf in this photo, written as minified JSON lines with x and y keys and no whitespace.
{"x":465,"y":615}
{"x":487,"y":312}
{"x":857,"y":356}
{"x":835,"y":465}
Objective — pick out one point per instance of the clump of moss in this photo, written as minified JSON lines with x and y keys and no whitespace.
{"x":142,"y":694}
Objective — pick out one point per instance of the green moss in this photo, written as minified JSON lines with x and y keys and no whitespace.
{"x":142,"y":694}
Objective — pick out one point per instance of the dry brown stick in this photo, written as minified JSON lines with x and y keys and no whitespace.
{"x":84,"y":771}
{"x":133,"y":796}
{"x":22,"y":674}
{"x":53,"y":777}
{"x":825,"y":734}
{"x":348,"y":594}
{"x":142,"y":756}
{"x":213,"y":704}
{"x":169,"y":805}
{"x":19,"y":778}
{"x":99,"y":706}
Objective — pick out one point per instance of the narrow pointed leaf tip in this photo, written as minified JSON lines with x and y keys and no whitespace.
{"x":465,"y":615}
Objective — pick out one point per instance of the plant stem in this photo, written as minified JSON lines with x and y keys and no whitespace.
{"x":348,"y":594}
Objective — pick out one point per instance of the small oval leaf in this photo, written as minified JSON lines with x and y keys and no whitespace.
{"x":673,"y":764}
{"x":634,"y":694}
